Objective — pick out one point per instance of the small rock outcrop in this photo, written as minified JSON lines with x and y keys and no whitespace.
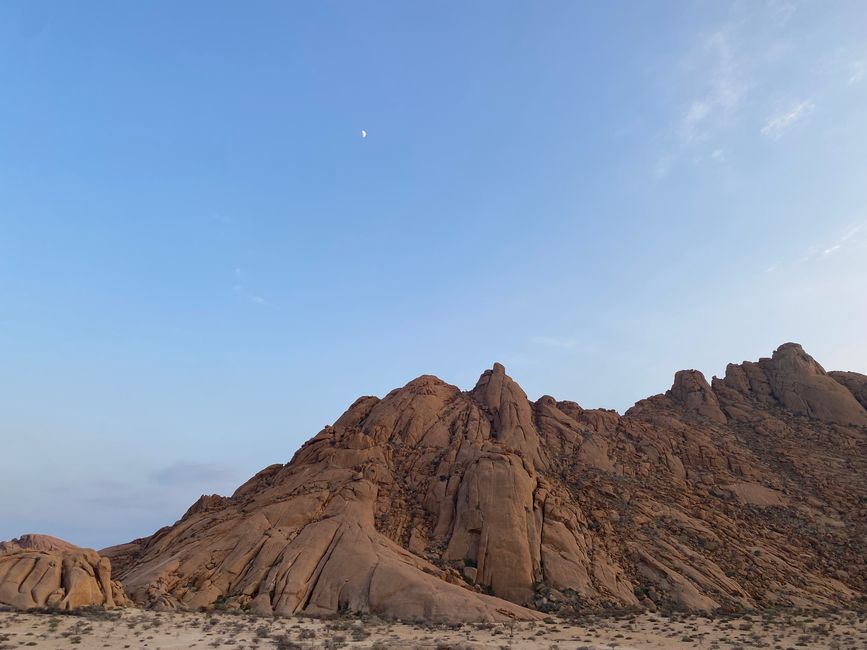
{"x":42,"y":571}
{"x":855,"y":383}
{"x":694,"y":394}
{"x":793,"y":380}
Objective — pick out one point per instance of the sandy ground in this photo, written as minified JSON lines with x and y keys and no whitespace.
{"x":133,"y":628}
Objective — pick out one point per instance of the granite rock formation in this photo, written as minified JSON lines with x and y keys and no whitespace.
{"x":440,"y":504}
{"x":42,"y":571}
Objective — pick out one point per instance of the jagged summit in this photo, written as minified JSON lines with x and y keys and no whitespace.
{"x":441,"y":504}
{"x":793,"y":380}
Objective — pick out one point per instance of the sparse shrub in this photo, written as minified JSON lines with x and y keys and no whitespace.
{"x":359,"y":633}
{"x":285,"y":643}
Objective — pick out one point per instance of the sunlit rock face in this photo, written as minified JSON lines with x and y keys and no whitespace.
{"x":440,"y":504}
{"x":42,"y":571}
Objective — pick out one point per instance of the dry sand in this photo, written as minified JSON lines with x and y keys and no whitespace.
{"x":134,"y":628}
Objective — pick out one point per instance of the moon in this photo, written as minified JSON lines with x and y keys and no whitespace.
{"x":363,"y":133}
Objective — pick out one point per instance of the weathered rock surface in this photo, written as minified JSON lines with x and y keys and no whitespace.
{"x":438,"y":504}
{"x":855,"y":383}
{"x":43,"y":571}
{"x":693,"y":393}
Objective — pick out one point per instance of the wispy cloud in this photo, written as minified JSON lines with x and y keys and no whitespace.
{"x":692,"y":123}
{"x":554,"y":342}
{"x":858,"y":72}
{"x":848,"y":236}
{"x":240,"y":290}
{"x":778,"y":124}
{"x":716,"y":74}
{"x":722,"y":84}
{"x":781,"y":10}
{"x":851,"y":236}
{"x":183,"y":473}
{"x":662,"y":166}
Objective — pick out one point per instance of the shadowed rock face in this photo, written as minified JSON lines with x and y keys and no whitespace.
{"x":438,"y":504}
{"x":43,"y":571}
{"x":855,"y":383}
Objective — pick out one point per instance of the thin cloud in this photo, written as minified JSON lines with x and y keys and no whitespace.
{"x":554,"y":342}
{"x":777,"y":125}
{"x":185,"y":473}
{"x":691,"y":123}
{"x":716,"y":70}
{"x":240,"y":290}
{"x":781,"y":10}
{"x":724,"y":86}
{"x":662,"y":167}
{"x":859,"y":71}
{"x":849,"y":237}
{"x":125,"y":502}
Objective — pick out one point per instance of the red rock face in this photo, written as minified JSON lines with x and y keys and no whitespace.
{"x":438,"y":504}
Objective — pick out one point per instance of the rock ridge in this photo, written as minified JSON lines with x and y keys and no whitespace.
{"x":438,"y":504}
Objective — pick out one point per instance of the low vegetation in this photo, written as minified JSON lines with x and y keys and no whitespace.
{"x":774,"y":629}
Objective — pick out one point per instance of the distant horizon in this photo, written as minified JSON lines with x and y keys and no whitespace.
{"x":222,"y":223}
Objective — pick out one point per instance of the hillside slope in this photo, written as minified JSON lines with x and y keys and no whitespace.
{"x":438,"y":504}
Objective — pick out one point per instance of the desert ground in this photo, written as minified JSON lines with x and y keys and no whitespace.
{"x":134,"y":628}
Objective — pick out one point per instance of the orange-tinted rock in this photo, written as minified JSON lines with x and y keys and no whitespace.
{"x":855,"y":383}
{"x":438,"y":504}
{"x":691,"y":391}
{"x":793,"y":380}
{"x":43,"y":571}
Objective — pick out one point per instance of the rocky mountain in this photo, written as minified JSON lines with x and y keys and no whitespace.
{"x":43,"y":571}
{"x":440,"y":504}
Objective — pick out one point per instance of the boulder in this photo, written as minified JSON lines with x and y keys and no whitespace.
{"x":43,"y":571}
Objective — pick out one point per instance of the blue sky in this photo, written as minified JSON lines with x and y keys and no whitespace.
{"x":202,"y":262}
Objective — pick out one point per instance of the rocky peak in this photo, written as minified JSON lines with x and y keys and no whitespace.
{"x":791,"y":359}
{"x":206,"y":502}
{"x":490,"y":387}
{"x":409,"y":414}
{"x":511,"y":413}
{"x":801,"y":385}
{"x":691,"y":391}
